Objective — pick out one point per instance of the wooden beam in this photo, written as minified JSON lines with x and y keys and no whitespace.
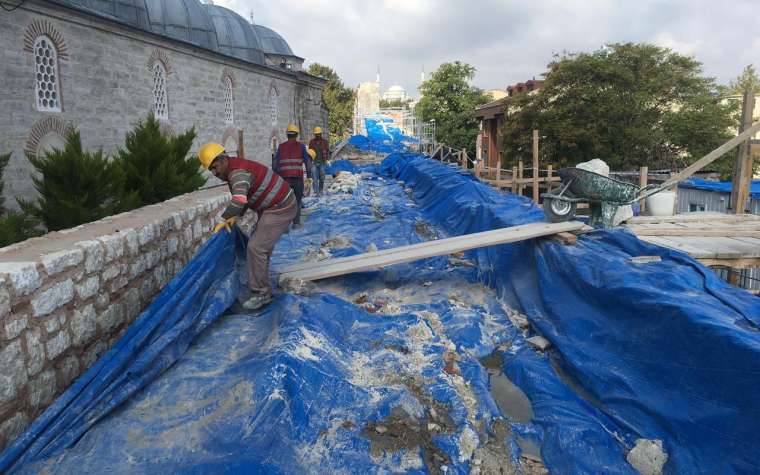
{"x":709,"y":217}
{"x":742,"y":178}
{"x":535,"y":166}
{"x":513,"y":185}
{"x":441,"y":247}
{"x":241,"y":145}
{"x":643,"y":180}
{"x":520,"y":177}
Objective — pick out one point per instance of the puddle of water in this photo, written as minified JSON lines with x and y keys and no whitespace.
{"x":509,"y":398}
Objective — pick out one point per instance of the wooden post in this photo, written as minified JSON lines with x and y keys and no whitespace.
{"x":743,"y":165}
{"x":498,"y":175}
{"x":463,"y":158}
{"x":514,"y":180}
{"x":549,"y":171}
{"x":535,"y":166}
{"x":520,"y":177}
{"x":643,"y":181}
{"x":241,"y":146}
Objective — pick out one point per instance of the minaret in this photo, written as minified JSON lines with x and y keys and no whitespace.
{"x":251,"y":17}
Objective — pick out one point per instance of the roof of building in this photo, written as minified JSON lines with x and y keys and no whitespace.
{"x":489,"y":110}
{"x":209,"y":26}
{"x":272,"y":42}
{"x":719,"y":186}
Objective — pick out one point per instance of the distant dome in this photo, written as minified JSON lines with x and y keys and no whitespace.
{"x":395,"y":93}
{"x":396,"y":88}
{"x":272,"y":42}
{"x":235,"y":36}
{"x":184,"y":20}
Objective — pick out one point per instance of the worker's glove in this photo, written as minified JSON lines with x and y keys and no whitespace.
{"x":227,"y":223}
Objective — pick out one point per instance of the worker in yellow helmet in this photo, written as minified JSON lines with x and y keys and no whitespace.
{"x":253,"y":186}
{"x":289,"y":162}
{"x":322,"y":152}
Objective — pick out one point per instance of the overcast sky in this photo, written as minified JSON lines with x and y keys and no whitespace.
{"x":507,"y":41}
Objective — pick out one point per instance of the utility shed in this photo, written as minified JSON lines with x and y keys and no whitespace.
{"x":696,"y":195}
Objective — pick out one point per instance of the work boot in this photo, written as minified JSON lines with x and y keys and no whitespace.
{"x":256,"y":301}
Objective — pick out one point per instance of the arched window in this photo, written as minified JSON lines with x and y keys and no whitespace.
{"x":273,"y":106}
{"x":160,"y":99}
{"x":47,"y":88}
{"x":229,"y":108}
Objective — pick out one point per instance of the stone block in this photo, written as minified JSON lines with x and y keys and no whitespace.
{"x":102,"y":300}
{"x":69,"y":371}
{"x":138,"y":266}
{"x":132,"y":303}
{"x":152,"y":258}
{"x":36,"y":352}
{"x":15,"y":325}
{"x":114,"y":246}
{"x":12,"y":371}
{"x":52,"y":324}
{"x":112,"y":317}
{"x":176,"y":221}
{"x":88,"y":288}
{"x":119,"y":283}
{"x":94,"y":255}
{"x":58,"y":344}
{"x":55,"y":297}
{"x":57,"y":262}
{"x":111,"y":271}
{"x":146,"y":234}
{"x":131,"y":242}
{"x":197,"y":230}
{"x":42,"y":389}
{"x":23,"y":276}
{"x":187,"y":236}
{"x":172,"y":246}
{"x":147,"y":289}
{"x":93,"y":353}
{"x":83,"y":325}
{"x":12,"y":427}
{"x":5,"y":299}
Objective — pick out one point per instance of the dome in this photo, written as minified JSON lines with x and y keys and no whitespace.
{"x":396,"y":88}
{"x":272,"y":42}
{"x":234,"y":35}
{"x":131,"y":12}
{"x":184,"y":20}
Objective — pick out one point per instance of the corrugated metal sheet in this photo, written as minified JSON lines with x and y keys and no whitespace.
{"x":691,"y":200}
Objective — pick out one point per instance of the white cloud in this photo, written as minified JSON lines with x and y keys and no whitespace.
{"x":507,"y":41}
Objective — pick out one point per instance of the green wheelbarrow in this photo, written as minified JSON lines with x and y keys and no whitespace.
{"x":603,"y":194}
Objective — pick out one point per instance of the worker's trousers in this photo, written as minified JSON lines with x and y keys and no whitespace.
{"x":318,"y":177}
{"x":296,"y":184}
{"x":272,"y":224}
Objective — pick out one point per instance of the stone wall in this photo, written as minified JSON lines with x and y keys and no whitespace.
{"x":106,"y":86}
{"x":66,"y":297}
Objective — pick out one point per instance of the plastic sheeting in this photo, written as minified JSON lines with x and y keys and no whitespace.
{"x":719,"y":186}
{"x":668,"y":350}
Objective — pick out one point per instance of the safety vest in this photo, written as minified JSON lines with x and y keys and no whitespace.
{"x":267,"y":188}
{"x":321,"y":147}
{"x":290,"y":159}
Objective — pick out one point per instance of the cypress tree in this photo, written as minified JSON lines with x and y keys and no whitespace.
{"x":156,"y":166}
{"x":77,"y":187}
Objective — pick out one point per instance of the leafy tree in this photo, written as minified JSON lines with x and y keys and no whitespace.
{"x":338,"y":98}
{"x":748,"y":80}
{"x":76,"y":187}
{"x":155,"y":166}
{"x":14,"y":227}
{"x":449,"y":99}
{"x":629,"y":104}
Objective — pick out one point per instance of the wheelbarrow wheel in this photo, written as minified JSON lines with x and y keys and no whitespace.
{"x":557,"y":210}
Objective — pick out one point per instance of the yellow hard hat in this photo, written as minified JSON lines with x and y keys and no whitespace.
{"x":312,"y":153}
{"x":317,"y":130}
{"x":208,"y":152}
{"x":292,"y":129}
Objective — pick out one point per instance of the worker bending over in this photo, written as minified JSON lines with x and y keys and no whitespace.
{"x":289,"y":162}
{"x":257,"y":187}
{"x":322,"y":151}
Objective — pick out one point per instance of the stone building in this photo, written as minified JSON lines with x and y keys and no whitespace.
{"x":99,"y":66}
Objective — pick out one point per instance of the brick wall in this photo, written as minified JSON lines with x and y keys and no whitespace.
{"x":67,"y":296}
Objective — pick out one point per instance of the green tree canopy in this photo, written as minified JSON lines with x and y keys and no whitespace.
{"x":338,"y":98}
{"x":14,"y":227}
{"x":748,"y":80}
{"x":76,"y":187}
{"x":449,"y":99}
{"x":628,"y":104}
{"x":155,"y":166}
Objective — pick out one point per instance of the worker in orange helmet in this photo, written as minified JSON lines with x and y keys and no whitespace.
{"x":253,"y":186}
{"x":322,"y":151}
{"x":289,"y":162}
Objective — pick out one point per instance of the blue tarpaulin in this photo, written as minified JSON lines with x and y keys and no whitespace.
{"x":719,"y":186}
{"x":664,"y":350}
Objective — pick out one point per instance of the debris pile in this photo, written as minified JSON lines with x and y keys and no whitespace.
{"x":343,"y":182}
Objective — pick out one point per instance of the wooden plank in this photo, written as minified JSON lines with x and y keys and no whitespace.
{"x":688,"y":217}
{"x":695,"y":252}
{"x":520,"y":177}
{"x":380,"y":259}
{"x":697,"y":232}
{"x":535,"y":166}
{"x":513,"y":185}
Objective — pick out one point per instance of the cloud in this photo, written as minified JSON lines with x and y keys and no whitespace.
{"x":507,"y":41}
